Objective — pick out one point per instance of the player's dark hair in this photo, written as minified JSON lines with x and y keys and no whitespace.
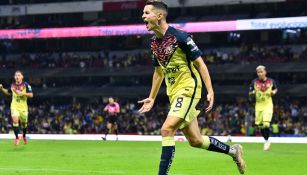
{"x":19,"y":71}
{"x":158,"y":4}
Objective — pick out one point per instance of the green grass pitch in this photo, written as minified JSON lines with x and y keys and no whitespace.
{"x":142,"y":158}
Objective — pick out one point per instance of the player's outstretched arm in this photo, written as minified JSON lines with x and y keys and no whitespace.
{"x":203,"y":70}
{"x":157,"y":80}
{"x":4,"y":91}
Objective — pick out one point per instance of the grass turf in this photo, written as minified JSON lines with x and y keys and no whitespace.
{"x":142,"y":158}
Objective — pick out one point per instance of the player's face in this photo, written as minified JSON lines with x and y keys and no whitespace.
{"x":261,"y":74}
{"x":18,"y":77}
{"x":111,"y":100}
{"x":151,"y":17}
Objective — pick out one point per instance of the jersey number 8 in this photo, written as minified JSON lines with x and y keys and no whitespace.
{"x":179,"y":102}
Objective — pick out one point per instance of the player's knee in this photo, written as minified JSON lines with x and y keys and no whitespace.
{"x":24,"y":125}
{"x":266,"y":124}
{"x":167,"y":131}
{"x":196,"y":142}
{"x":15,"y":121}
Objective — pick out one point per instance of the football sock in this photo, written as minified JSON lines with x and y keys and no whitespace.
{"x":116,"y":131}
{"x":212,"y":144}
{"x":168,"y":152}
{"x":24,"y":132}
{"x":16,"y":131}
{"x":106,"y":133}
{"x":265,"y":132}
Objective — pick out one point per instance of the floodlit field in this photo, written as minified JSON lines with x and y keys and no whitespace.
{"x":142,"y":158}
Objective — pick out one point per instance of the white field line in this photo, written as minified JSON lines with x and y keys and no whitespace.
{"x":63,"y":170}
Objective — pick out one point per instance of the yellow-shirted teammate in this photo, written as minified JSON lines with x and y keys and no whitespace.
{"x":262,"y":89}
{"x":178,"y":60}
{"x":20,"y":92}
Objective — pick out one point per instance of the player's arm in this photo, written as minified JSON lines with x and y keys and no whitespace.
{"x":274,"y":88}
{"x":105,"y":108}
{"x":251,"y":91}
{"x":203,"y":70}
{"x":4,"y":91}
{"x":157,"y":80}
{"x":117,"y":108}
{"x":194,"y":54}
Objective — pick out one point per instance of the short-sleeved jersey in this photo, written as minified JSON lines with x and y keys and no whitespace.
{"x":112,"y":109}
{"x":174,"y":53}
{"x":20,"y":102}
{"x":263,"y":91}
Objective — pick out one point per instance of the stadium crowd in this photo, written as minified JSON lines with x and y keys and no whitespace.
{"x":225,"y":119}
{"x":242,"y":55}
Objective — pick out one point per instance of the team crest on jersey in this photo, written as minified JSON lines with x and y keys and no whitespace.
{"x":164,"y":51}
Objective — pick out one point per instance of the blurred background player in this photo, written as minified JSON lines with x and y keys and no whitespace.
{"x":262,"y":89}
{"x":20,"y":92}
{"x":112,"y":110}
{"x":177,"y":59}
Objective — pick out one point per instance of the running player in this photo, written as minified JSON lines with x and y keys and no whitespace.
{"x":112,"y":109}
{"x":178,"y":60}
{"x":262,"y":89}
{"x":20,"y":92}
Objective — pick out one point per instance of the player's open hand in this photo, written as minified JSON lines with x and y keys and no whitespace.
{"x":147,"y":105}
{"x":1,"y":86}
{"x":210,"y":99}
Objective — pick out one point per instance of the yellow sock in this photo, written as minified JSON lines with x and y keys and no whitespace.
{"x":168,"y":141}
{"x":206,"y":142}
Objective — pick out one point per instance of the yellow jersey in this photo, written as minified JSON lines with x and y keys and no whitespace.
{"x":20,"y":102}
{"x":175,"y":53}
{"x":263,"y":95}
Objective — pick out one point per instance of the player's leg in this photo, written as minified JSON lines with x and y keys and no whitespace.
{"x":15,"y":120}
{"x":267,"y":117}
{"x":175,"y":117}
{"x":115,"y":129}
{"x":168,"y":131}
{"x":259,"y":122}
{"x":263,"y":126}
{"x":108,"y":130}
{"x":192,"y":133}
{"x":24,"y":125}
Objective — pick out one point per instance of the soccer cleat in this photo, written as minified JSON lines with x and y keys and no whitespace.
{"x":16,"y":142}
{"x":104,"y":138}
{"x":266,"y":146}
{"x":25,"y":140}
{"x":238,"y":158}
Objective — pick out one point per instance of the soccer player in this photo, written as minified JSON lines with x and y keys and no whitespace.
{"x":178,"y":60}
{"x":20,"y":92}
{"x":112,"y":109}
{"x":262,"y":89}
